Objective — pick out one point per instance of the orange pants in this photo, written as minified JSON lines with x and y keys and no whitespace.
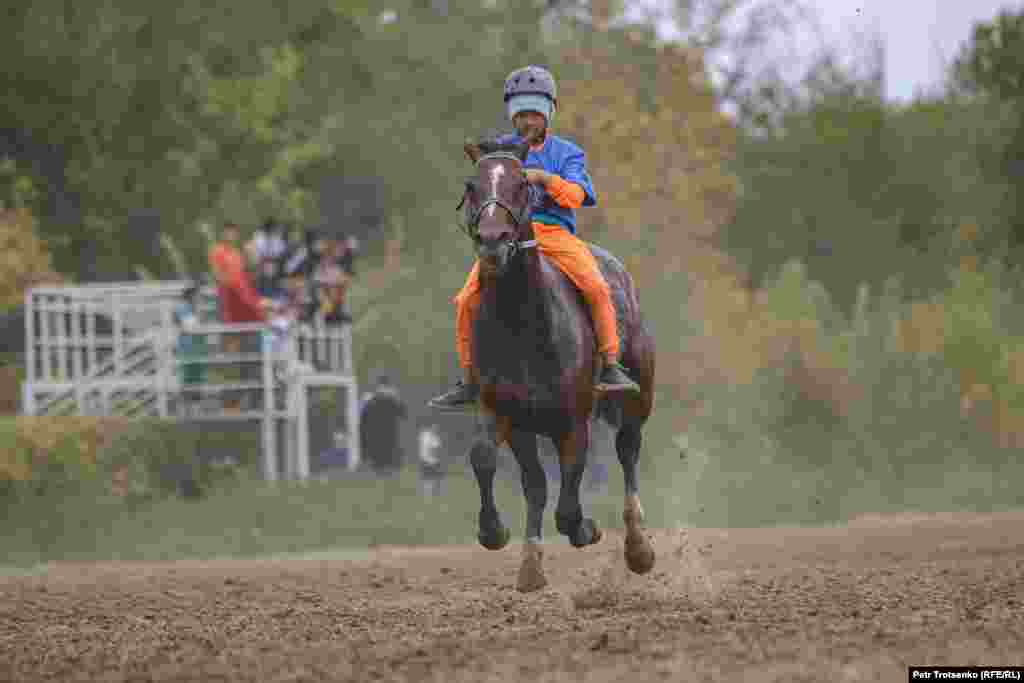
{"x":573,"y":258}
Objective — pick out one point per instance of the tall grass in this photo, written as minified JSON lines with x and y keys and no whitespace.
{"x":904,"y":405}
{"x":254,"y":518}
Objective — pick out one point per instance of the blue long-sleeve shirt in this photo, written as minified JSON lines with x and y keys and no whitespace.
{"x":567,"y":160}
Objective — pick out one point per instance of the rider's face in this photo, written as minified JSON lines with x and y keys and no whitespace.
{"x":530,"y":124}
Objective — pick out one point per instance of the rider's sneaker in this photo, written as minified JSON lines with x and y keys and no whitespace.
{"x":462,"y":397}
{"x":614,"y":378}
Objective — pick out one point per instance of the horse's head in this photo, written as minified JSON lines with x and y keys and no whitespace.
{"x":497,"y":204}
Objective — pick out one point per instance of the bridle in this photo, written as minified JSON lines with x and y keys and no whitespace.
{"x":518,"y":217}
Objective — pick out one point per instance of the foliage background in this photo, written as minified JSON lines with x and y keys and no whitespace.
{"x":832,"y":278}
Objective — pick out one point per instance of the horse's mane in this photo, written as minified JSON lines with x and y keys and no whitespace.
{"x":490,"y":145}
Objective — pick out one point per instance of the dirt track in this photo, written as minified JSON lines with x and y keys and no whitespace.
{"x":855,"y":603}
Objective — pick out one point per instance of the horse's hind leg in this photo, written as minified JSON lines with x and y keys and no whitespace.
{"x":569,"y":519}
{"x":493,"y":535}
{"x":535,"y":489}
{"x":638,"y":550}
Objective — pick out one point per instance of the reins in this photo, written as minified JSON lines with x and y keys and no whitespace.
{"x":518,"y":217}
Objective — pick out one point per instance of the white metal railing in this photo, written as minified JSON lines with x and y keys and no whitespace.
{"x":134,"y":370}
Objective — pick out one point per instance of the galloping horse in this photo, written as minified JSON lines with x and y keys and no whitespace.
{"x":536,"y":361}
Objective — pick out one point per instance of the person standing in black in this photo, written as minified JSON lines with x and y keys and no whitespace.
{"x":270,"y":247}
{"x":380,"y":427}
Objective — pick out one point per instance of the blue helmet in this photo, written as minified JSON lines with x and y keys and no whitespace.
{"x":531,"y":80}
{"x":531,"y":88}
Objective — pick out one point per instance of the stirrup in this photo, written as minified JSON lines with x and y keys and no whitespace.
{"x":622,"y":383}
{"x":460,"y":399}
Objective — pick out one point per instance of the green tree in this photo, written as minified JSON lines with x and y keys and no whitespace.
{"x":167,"y":108}
{"x":992,"y":62}
{"x":990,"y":69}
{"x":862,"y":191}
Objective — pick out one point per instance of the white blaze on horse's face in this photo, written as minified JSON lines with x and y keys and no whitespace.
{"x":496,"y":174}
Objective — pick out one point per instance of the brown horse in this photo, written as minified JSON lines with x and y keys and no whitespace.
{"x":536,"y":361}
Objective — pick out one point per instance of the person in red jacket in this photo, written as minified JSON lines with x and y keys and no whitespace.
{"x":239,"y":301}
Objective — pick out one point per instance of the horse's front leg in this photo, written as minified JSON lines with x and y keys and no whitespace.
{"x":535,"y":489}
{"x":572,"y":458}
{"x":493,"y":535}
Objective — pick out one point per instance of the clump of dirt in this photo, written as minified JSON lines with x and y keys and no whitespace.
{"x":682,"y":571}
{"x":606,"y":589}
{"x":686,"y":569}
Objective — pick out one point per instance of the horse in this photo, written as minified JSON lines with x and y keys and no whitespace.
{"x":536,"y":363}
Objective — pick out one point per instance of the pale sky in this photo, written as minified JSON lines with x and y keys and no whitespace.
{"x":920,"y":35}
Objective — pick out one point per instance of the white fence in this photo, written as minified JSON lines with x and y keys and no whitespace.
{"x":112,"y":350}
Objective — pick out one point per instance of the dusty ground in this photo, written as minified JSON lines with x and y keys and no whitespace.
{"x":854,"y":603}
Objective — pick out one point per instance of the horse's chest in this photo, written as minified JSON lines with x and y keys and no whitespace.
{"x":522,"y":402}
{"x":514,"y":381}
{"x":519,"y":376}
{"x":526,"y":354}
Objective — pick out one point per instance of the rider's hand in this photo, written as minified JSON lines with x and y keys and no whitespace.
{"x":535,"y":175}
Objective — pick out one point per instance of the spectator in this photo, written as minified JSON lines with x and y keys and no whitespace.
{"x":431,"y":467}
{"x":380,"y":427}
{"x":269,"y":248}
{"x":300,"y":253}
{"x":239,"y":302}
{"x":284,"y":316}
{"x":189,"y":346}
{"x":275,"y":340}
{"x":298,"y":298}
{"x":331,"y":285}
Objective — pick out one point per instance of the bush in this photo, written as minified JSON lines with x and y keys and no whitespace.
{"x":39,"y":454}
{"x":833,"y":415}
{"x":46,"y":457}
{"x":65,"y":482}
{"x":154,"y":458}
{"x":25,"y":260}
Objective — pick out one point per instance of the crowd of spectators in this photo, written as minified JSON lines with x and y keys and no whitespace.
{"x":277,"y":274}
{"x":280,"y":278}
{"x":275,"y":278}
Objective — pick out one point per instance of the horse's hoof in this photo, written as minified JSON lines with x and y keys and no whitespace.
{"x":639,"y":553}
{"x":494,"y":539}
{"x":587,"y":533}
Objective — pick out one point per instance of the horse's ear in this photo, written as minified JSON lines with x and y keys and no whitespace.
{"x":472,"y":151}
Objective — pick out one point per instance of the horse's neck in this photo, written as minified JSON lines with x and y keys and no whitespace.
{"x":524,"y":302}
{"x":514,"y":295}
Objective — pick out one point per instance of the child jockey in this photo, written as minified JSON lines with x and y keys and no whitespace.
{"x":559,"y":167}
